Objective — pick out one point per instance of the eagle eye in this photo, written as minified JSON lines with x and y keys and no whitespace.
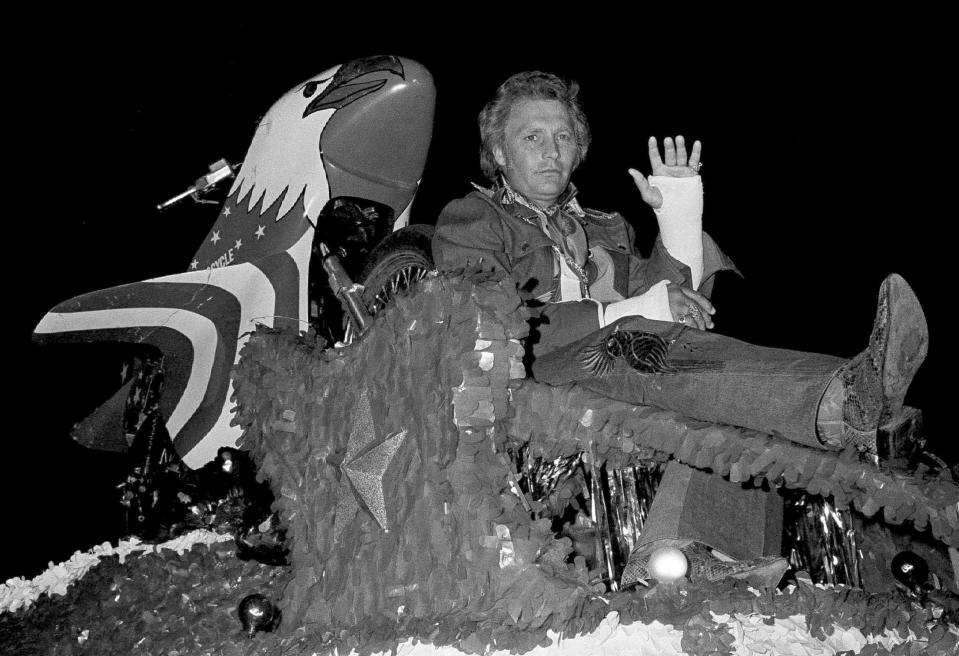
{"x":310,"y":88}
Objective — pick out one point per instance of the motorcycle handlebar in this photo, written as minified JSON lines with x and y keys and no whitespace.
{"x":219,"y":171}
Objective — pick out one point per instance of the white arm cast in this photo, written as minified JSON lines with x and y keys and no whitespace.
{"x":681,"y":220}
{"x":653,"y":304}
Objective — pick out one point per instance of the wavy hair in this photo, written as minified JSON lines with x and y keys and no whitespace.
{"x":529,"y":85}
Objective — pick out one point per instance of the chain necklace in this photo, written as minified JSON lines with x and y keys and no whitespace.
{"x":573,"y":265}
{"x":577,"y":269}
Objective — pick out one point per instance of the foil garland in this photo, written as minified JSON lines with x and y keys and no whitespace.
{"x":622,"y":498}
{"x":539,"y":478}
{"x":610,"y":508}
{"x":602,"y":510}
{"x":631,"y":492}
{"x":821,"y":540}
{"x":599,"y":514}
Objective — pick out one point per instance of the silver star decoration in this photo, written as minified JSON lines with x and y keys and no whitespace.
{"x":238,"y":244}
{"x":259,"y":231}
{"x":365,"y":469}
{"x":216,"y":236}
{"x":226,"y":211}
{"x":194,"y":264}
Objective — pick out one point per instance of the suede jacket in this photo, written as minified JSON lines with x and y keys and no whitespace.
{"x":489,"y":229}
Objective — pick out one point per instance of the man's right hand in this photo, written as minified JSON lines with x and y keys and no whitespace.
{"x":690,"y":307}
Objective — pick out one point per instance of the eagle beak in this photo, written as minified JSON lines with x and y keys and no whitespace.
{"x":341,"y":92}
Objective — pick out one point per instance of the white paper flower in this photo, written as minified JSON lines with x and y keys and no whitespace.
{"x":19,"y":593}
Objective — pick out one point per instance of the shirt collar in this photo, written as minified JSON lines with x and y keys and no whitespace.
{"x":519,"y":205}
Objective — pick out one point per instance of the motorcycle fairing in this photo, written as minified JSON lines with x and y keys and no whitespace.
{"x":361,"y":129}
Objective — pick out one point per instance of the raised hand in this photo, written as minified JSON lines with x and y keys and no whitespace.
{"x":689,"y":307}
{"x":675,"y":162}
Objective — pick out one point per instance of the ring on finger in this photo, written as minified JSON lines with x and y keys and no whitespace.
{"x":696,"y":167}
{"x":694,"y":310}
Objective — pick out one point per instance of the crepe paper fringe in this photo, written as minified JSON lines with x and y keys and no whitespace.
{"x":558,"y":421}
{"x":185,"y":602}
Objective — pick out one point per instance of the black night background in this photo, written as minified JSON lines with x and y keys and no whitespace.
{"x":827,"y":164}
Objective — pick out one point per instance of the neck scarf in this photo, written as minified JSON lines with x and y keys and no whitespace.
{"x":559,"y":225}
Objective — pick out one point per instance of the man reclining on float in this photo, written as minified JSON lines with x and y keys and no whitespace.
{"x":637,"y":329}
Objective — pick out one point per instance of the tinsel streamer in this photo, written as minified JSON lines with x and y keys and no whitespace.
{"x":601,"y":519}
{"x":539,"y":478}
{"x":631,"y":492}
{"x":821,"y":540}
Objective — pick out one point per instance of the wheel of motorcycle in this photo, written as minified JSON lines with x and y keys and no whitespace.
{"x":396,"y":263}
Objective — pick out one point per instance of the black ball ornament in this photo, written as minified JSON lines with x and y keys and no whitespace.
{"x":228,"y":460}
{"x":910,"y":570}
{"x":257,"y":613}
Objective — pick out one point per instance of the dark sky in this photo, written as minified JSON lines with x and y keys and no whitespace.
{"x":827,"y":164}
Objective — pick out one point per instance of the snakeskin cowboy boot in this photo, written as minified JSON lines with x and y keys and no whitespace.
{"x":874,"y":383}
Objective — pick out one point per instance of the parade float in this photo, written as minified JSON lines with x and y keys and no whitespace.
{"x":336,"y":449}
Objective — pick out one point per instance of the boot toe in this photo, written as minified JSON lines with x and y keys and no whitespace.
{"x":907,"y":342}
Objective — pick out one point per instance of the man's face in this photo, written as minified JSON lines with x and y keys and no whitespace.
{"x":541,"y":150}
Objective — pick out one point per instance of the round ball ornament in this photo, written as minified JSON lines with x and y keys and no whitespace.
{"x":667,"y":564}
{"x":257,"y":613}
{"x":910,"y":570}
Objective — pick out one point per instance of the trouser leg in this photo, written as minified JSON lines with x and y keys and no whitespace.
{"x":717,"y":379}
{"x":742,"y":522}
